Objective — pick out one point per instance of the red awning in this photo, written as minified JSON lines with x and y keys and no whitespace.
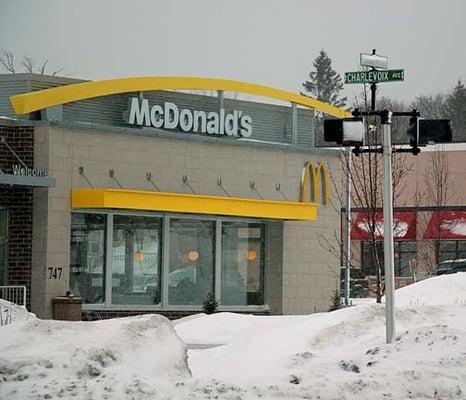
{"x":446,"y":225}
{"x":404,"y":226}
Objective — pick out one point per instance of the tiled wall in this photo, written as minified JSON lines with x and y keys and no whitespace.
{"x":300,"y":279}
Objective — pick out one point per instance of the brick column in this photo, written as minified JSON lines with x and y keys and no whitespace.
{"x":18,"y":201}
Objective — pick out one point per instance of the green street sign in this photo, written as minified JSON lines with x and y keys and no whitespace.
{"x":389,"y":75}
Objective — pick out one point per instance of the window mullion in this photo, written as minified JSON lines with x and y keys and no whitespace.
{"x":165,"y":260}
{"x":218,"y":260}
{"x":108,"y":259}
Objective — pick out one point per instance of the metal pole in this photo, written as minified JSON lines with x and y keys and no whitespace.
{"x":388,"y":228}
{"x":373,"y":88}
{"x":347,"y":240}
{"x":373,"y":92}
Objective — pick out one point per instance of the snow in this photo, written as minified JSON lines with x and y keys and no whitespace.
{"x":441,"y":290}
{"x":457,"y":227}
{"x":336,"y":355}
{"x":119,"y":358}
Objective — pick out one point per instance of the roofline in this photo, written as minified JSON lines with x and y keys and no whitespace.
{"x":33,"y":101}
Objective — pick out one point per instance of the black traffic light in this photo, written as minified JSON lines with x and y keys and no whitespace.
{"x":422,"y":132}
{"x":345,"y":132}
{"x":413,"y":132}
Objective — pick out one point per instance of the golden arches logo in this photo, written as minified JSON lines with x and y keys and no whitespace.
{"x":315,"y":177}
{"x":33,"y":101}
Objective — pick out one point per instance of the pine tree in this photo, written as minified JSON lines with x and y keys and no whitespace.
{"x":324,"y":82}
{"x":456,"y":111}
{"x":335,"y":299}
{"x":210,"y":304}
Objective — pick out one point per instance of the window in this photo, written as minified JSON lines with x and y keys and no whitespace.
{"x":136,"y":260}
{"x":452,"y":250}
{"x":87,"y":257}
{"x":242,"y":264}
{"x":191,"y":268}
{"x":131,"y":271}
{"x":404,"y":254}
{"x":3,"y":246}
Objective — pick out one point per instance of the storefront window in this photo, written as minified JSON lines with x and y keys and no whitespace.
{"x":136,"y":260}
{"x":242,"y":264}
{"x":87,"y":257}
{"x":191,"y":269}
{"x":452,"y":250}
{"x":404,"y":254}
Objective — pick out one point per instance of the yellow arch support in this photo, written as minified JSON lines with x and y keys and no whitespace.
{"x":317,"y":175}
{"x":33,"y":101}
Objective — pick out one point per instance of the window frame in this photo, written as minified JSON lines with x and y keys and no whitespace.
{"x":165,"y":255}
{"x":397,"y":250}
{"x":456,"y":252}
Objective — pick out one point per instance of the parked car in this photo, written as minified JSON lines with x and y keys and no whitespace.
{"x":450,"y":267}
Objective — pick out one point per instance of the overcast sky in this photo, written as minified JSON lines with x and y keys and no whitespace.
{"x":262,"y":41}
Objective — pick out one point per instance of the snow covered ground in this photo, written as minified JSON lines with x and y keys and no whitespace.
{"x":337,"y":355}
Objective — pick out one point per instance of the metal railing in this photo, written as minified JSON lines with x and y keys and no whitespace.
{"x":14,"y":294}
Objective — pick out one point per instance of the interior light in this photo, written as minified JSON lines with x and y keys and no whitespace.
{"x":193,"y":255}
{"x":251,"y":254}
{"x":139,"y":256}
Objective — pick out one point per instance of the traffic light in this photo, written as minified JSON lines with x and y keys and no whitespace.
{"x":345,"y":132}
{"x":422,"y":132}
{"x":413,"y":132}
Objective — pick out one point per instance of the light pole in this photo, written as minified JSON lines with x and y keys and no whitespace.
{"x":386,"y":119}
{"x":347,"y":240}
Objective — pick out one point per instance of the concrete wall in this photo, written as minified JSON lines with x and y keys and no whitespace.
{"x":302,"y":283}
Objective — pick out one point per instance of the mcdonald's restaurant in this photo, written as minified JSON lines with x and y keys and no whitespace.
{"x":150,"y":194}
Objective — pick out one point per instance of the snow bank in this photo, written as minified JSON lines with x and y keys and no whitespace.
{"x":118,"y":358}
{"x":223,"y":328}
{"x":12,"y":313}
{"x":438,"y":290}
{"x":337,"y":355}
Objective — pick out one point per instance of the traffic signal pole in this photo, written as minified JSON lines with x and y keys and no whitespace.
{"x":386,"y":117}
{"x":431,"y":131}
{"x":347,"y":241}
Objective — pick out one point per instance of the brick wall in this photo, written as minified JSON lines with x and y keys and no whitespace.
{"x":18,"y":201}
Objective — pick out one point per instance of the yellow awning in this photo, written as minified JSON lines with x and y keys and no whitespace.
{"x":191,"y":204}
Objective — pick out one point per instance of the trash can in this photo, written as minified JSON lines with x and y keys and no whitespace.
{"x":67,"y":308}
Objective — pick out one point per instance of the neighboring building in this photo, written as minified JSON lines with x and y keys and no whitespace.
{"x":429,"y":220}
{"x":146,"y":200}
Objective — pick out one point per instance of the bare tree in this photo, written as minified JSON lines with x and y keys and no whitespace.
{"x":437,"y":191}
{"x":7,"y":62}
{"x":367,"y":179}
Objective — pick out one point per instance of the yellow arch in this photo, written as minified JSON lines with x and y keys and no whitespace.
{"x":33,"y":101}
{"x":315,"y":173}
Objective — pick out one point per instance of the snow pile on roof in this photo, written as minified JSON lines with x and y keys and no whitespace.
{"x":117,"y":359}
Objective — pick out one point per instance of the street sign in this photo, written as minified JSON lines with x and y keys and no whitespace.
{"x":374,"y":76}
{"x":373,"y":60}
